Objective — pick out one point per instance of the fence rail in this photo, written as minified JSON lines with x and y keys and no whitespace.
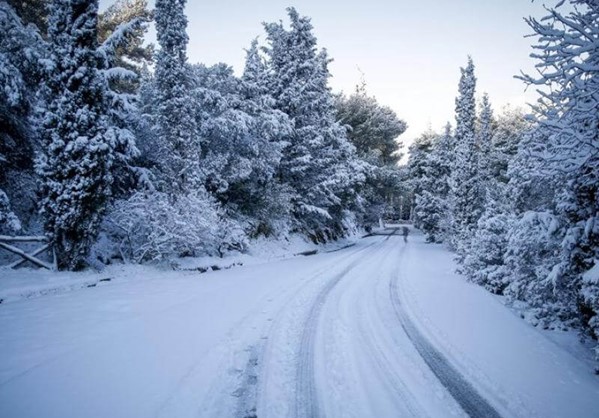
{"x":6,"y":244}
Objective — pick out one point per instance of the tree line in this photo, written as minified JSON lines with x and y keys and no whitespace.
{"x":517,"y":195}
{"x":116,"y":150}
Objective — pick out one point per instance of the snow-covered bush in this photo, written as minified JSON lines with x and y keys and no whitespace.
{"x":484,"y":263}
{"x":155,"y":226}
{"x":429,"y":211}
{"x":9,"y":223}
{"x":533,"y":249}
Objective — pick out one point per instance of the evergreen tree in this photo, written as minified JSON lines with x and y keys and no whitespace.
{"x":373,"y":129}
{"x":418,"y":168}
{"x":533,"y":248}
{"x":176,"y":125}
{"x":243,"y":138}
{"x":78,"y":142}
{"x":131,"y":17}
{"x":264,"y":197}
{"x":484,"y":263}
{"x":466,"y":200}
{"x":431,"y":204}
{"x":21,"y":51}
{"x":568,"y":114}
{"x":511,"y":125}
{"x":319,"y":164}
{"x":485,"y":141}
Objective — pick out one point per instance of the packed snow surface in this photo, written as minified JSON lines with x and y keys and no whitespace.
{"x":380,"y":329}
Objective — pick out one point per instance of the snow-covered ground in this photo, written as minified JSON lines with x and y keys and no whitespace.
{"x":380,"y":329}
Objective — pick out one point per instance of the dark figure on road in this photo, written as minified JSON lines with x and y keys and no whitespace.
{"x":405,"y":231}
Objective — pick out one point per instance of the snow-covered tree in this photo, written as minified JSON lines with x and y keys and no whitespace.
{"x":484,"y":263}
{"x":243,"y":137}
{"x":21,"y":49}
{"x":568,"y":115}
{"x":319,"y":164}
{"x":417,"y":167}
{"x":511,"y":126}
{"x":130,"y":18}
{"x":176,"y":125}
{"x":533,"y":247}
{"x":374,"y":130}
{"x":32,"y":11}
{"x":466,"y":197}
{"x":9,"y":222}
{"x":431,"y":203}
{"x":485,"y":140}
{"x":78,"y":142}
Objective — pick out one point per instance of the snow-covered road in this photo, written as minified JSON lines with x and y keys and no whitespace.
{"x":381,"y":329}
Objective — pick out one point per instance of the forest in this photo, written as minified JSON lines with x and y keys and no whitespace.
{"x":121,"y":151}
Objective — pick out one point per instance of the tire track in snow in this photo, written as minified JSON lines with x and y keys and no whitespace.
{"x":456,"y":384}
{"x":251,"y":390}
{"x":307,"y":402}
{"x":403,"y":399}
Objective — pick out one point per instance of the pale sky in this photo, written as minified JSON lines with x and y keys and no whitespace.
{"x":409,"y":51}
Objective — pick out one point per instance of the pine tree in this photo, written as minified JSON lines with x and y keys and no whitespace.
{"x":243,"y":138}
{"x":485,"y":262}
{"x":418,"y":168}
{"x":485,"y":141}
{"x":373,"y":129}
{"x":320,"y":164}
{"x":533,"y":248}
{"x":432,"y":203}
{"x":176,"y":125}
{"x":78,"y":143}
{"x":265,"y":198}
{"x":466,"y":200}
{"x":511,"y":126}
{"x":134,"y":54}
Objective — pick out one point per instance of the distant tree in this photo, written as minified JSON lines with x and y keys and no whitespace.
{"x":418,"y":168}
{"x":431,"y":203}
{"x":511,"y":126}
{"x":374,"y":130}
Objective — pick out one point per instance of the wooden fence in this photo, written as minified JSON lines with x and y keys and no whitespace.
{"x":6,"y":243}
